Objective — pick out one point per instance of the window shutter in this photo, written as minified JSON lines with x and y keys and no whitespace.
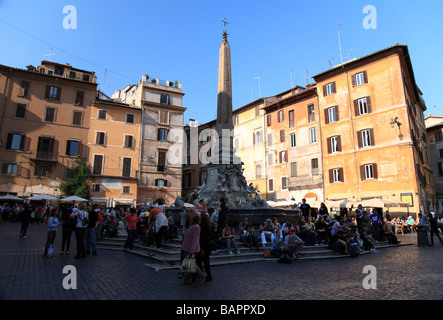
{"x":27,"y":146}
{"x":375,"y":170}
{"x":356,"y":111}
{"x":362,"y":173}
{"x":59,"y":91}
{"x":360,"y":140}
{"x":253,"y":137}
{"x":337,"y":116}
{"x":282,"y":135}
{"x":368,"y":101}
{"x":334,"y":88}
{"x":22,"y":142}
{"x":331,"y":176}
{"x":342,"y":177}
{"x":268,"y":118}
{"x":279,"y":156}
{"x":324,"y":90}
{"x":329,"y":145}
{"x":371,"y":135}
{"x":286,"y":156}
{"x":339,"y":143}
{"x":48,"y":89}
{"x":354,"y":80}
{"x":326,"y":116}
{"x":365,"y":76}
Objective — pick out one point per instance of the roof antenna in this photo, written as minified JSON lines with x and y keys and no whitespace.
{"x":436,"y":111}
{"x":339,"y":43}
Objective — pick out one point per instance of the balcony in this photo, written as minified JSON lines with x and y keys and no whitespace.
{"x":306,"y":181}
{"x":38,"y":155}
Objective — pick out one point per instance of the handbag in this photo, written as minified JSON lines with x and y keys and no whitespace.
{"x":267,"y":253}
{"x":189,"y":265}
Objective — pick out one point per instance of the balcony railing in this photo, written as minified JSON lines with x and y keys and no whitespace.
{"x":43,"y":155}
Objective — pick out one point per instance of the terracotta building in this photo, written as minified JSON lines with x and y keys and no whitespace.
{"x":161,"y":159}
{"x":373,"y":132}
{"x":434,"y":127}
{"x":114,"y":144}
{"x":44,"y":124}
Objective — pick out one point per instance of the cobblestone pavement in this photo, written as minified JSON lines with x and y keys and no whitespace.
{"x":403,"y":273}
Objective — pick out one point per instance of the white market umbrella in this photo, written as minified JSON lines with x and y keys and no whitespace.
{"x":42,"y":197}
{"x":75,"y":199}
{"x":382,"y":203}
{"x":10,"y":197}
{"x":343,"y":204}
{"x":188,"y":205}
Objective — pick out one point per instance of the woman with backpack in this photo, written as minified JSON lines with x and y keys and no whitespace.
{"x":79,"y":230}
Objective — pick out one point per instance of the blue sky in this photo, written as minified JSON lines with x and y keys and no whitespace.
{"x":180,"y":40}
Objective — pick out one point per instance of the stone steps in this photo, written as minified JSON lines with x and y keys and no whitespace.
{"x":168,"y":257}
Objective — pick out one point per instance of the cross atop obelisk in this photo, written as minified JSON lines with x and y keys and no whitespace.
{"x":225,"y":32}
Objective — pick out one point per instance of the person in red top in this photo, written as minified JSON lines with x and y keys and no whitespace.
{"x":152,"y":213}
{"x":131,"y":220}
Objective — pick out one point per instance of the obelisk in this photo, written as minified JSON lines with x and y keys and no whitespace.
{"x":224,"y":125}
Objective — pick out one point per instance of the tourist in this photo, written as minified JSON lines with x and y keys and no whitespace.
{"x":321,"y":228}
{"x":228,"y":235}
{"x":191,"y":246}
{"x":172,"y":230}
{"x":338,"y":242}
{"x":242,"y":226}
{"x":352,"y":244}
{"x":25,"y":217}
{"x":266,"y":231}
{"x":323,"y":211}
{"x":216,"y":238}
{"x":222,"y":212}
{"x":161,"y":226}
{"x":389,"y":232}
{"x":277,"y":242}
{"x":293,"y":244}
{"x":142,"y":229}
{"x":183,"y":216}
{"x":53,"y":223}
{"x":305,"y":234}
{"x":131,"y":220}
{"x":203,"y":257}
{"x":99,"y":229}
{"x":80,"y":215}
{"x":202,"y":207}
{"x":305,"y":209}
{"x":251,"y":238}
{"x":90,"y":231}
{"x":434,"y":229}
{"x":276,"y":224}
{"x":359,"y":216}
{"x":68,"y":227}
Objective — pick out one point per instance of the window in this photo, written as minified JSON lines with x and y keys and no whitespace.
{"x":329,"y":89}
{"x":282,"y":135}
{"x":235,"y":120}
{"x":268,"y":120}
{"x":102,"y":114}
{"x":256,"y":137}
{"x":53,"y":93}
{"x":98,"y":164}
{"x":50,"y":114}
{"x":100,"y":138}
{"x":283,"y":156}
{"x":438,"y":136}
{"x":69,"y":173}
{"x":45,"y":148}
{"x":162,"y":134}
{"x":292,"y":140}
{"x":359,"y":78}
{"x":42,"y":171}
{"x":311,"y":113}
{"x":258,"y":172}
{"x":280,"y":116}
{"x":271,"y":185}
{"x":365,"y":138}
{"x":10,"y":168}
{"x":164,"y":99}
{"x":293,"y":169}
{"x":130,"y":118}
{"x":161,"y":183}
{"x":79,"y":98}
{"x":314,"y":166}
{"x":334,"y":144}
{"x":441,"y":153}
{"x":337,"y":175}
{"x":72,"y":148}
{"x":440,"y":169}
{"x":269,"y":139}
{"x":163,"y":116}
{"x":24,"y":88}
{"x":20,"y":110}
{"x":284,"y":183}
{"x":291,"y":119}
{"x":86,"y":77}
{"x":270,"y":159}
{"x":96,"y":187}
{"x":312,"y":135}
{"x":59,"y":70}
{"x":129,"y":141}
{"x":331,"y":115}
{"x":362,"y":106}
{"x":50,"y":72}
{"x":161,"y":161}
{"x":126,"y":189}
{"x":15,"y":141}
{"x":72,"y":74}
{"x":77,"y":118}
{"x":369,"y":171}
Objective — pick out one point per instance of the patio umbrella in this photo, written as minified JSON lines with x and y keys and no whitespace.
{"x":42,"y":197}
{"x":342,"y":204}
{"x":188,"y":205}
{"x":74,"y":198}
{"x":10,"y":197}
{"x":383,"y":203}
